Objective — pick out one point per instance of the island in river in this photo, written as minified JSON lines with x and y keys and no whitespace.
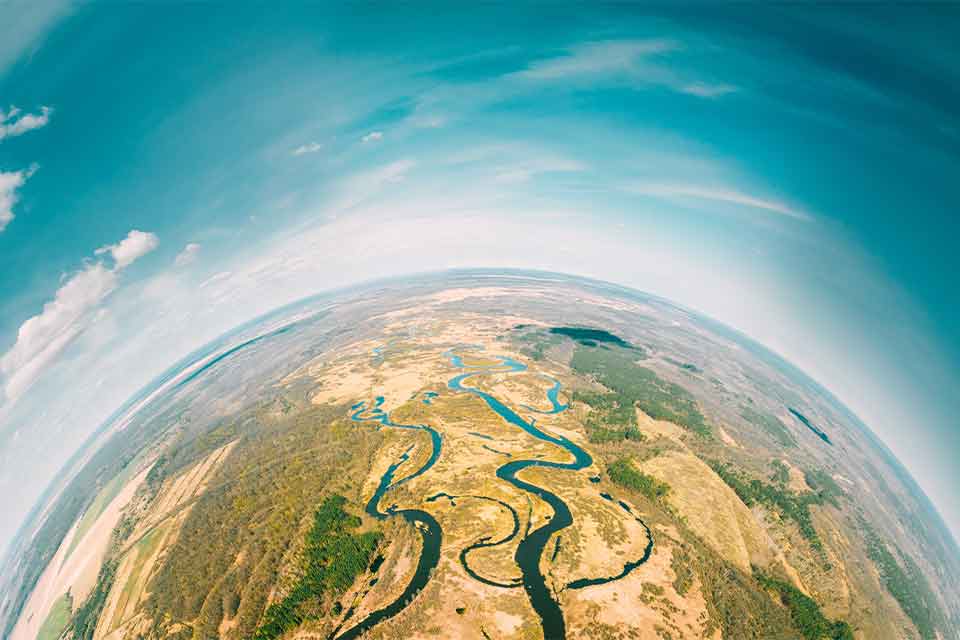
{"x":484,"y":455}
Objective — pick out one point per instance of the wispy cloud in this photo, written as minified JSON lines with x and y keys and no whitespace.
{"x":367,"y":184}
{"x":13,"y":124}
{"x":715,"y":194}
{"x":515,"y":162}
{"x":310,"y":147}
{"x":10,"y":181}
{"x":706,"y":89}
{"x":187,"y":255}
{"x":594,"y":58}
{"x":75,"y":307}
{"x":22,"y":29}
{"x":425,"y":120}
{"x":633,"y":62}
{"x":373,"y":136}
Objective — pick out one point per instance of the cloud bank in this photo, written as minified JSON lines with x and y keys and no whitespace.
{"x":75,"y":307}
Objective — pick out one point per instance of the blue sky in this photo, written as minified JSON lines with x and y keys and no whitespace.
{"x":169,"y":172}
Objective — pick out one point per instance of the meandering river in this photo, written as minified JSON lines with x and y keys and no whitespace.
{"x":426,"y":524}
{"x":530,"y":550}
{"x":531,"y":547}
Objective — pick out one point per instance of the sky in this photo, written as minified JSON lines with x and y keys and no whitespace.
{"x":170,"y":171}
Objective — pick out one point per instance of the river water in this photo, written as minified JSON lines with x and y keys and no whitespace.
{"x":532,"y":545}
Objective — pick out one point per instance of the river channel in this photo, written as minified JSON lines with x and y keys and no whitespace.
{"x":531,"y":547}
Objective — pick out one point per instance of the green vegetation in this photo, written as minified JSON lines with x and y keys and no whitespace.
{"x":804,"y":611}
{"x":601,"y":435}
{"x":610,"y":419}
{"x":790,"y":505}
{"x":534,"y":343}
{"x":229,"y":555}
{"x":623,"y":473}
{"x":771,"y":425}
{"x":680,"y":562}
{"x":907,"y":584}
{"x":84,"y":621}
{"x":781,"y":472}
{"x":736,"y":603}
{"x":631,"y":386}
{"x":608,"y":408}
{"x":824,"y":484}
{"x":190,"y":448}
{"x":333,"y":558}
{"x":57,"y":620}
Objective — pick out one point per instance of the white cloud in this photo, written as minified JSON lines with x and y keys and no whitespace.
{"x":13,"y":124}
{"x":373,"y":136}
{"x":707,"y":90}
{"x":10,"y":181}
{"x":42,"y":337}
{"x":187,"y":255}
{"x":214,"y":279}
{"x":729,"y":196}
{"x":136,"y":244}
{"x":524,"y":170}
{"x":514,"y":162}
{"x":74,"y":309}
{"x":633,"y":62}
{"x":310,"y":147}
{"x":596,"y":57}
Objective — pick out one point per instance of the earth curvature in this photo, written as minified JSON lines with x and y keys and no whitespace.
{"x":484,"y":455}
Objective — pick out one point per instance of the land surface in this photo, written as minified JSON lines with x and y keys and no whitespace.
{"x":487,"y":457}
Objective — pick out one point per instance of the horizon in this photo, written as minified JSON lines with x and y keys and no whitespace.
{"x":154,"y":389}
{"x":172,"y":174}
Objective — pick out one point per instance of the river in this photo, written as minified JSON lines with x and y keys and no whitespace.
{"x":531,"y":547}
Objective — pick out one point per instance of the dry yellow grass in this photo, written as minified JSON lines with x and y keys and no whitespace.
{"x":712,"y":509}
{"x":639,"y":604}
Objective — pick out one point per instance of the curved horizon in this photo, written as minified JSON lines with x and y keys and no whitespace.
{"x":172,"y":175}
{"x":208,"y":353}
